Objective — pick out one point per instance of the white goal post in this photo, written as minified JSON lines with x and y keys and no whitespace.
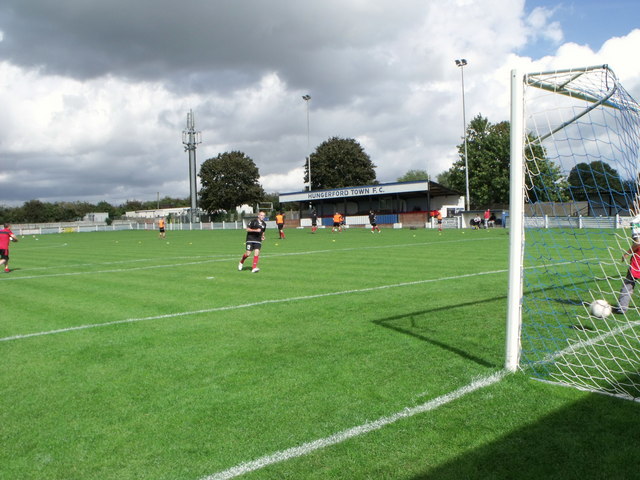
{"x":575,"y":174}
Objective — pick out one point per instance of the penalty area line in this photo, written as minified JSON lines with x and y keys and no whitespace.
{"x":363,"y":429}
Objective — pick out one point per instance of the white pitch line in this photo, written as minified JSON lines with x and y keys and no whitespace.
{"x":363,"y":429}
{"x":248,"y":305}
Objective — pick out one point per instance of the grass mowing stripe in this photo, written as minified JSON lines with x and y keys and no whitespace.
{"x":363,"y":429}
{"x":42,"y":247}
{"x":209,"y":259}
{"x":119,"y":262}
{"x":115,"y":270}
{"x":249,"y":305}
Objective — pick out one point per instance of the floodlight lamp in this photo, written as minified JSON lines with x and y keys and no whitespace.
{"x":306,"y":97}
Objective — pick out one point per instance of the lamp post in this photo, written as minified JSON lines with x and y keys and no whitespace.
{"x":306,"y":98}
{"x":461,"y":63}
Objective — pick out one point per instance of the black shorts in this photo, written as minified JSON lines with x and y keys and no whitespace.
{"x":374,"y":224}
{"x":280,"y":226}
{"x":251,"y":246}
{"x":162,"y":230}
{"x":4,"y":254}
{"x":336,"y":224}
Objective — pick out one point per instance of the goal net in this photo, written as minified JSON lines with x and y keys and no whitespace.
{"x":575,"y":173}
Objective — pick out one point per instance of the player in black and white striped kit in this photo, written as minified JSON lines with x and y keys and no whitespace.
{"x":255,"y":237}
{"x":373,"y":221}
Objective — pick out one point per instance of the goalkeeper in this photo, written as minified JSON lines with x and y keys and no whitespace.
{"x":633,"y":274}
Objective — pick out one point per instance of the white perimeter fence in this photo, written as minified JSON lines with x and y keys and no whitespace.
{"x":448,"y":223}
{"x":119,"y":225}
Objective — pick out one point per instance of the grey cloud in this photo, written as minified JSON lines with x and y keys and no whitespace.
{"x":105,"y":86}
{"x":147,"y":39}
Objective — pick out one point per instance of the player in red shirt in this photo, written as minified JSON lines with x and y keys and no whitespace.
{"x":633,"y":275}
{"x":6,"y":236}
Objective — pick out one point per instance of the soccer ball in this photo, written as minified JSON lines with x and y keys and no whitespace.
{"x":600,"y":308}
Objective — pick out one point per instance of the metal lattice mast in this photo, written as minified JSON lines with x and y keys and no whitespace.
{"x":190,"y":139}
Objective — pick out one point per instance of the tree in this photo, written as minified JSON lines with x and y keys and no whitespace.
{"x":340,"y":162}
{"x":7,"y":214}
{"x":590,"y":179}
{"x":70,"y":211}
{"x":133,"y":205}
{"x":444,"y":179}
{"x":104,"y":206}
{"x":414,"y":175}
{"x":37,"y":212}
{"x":545,"y":183}
{"x":228,"y":181}
{"x":488,"y":150}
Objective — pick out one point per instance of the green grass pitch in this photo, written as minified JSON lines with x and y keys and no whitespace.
{"x":125,"y":356}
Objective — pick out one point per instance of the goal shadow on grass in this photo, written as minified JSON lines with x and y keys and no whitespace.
{"x":596,"y":437}
{"x":395,"y":323}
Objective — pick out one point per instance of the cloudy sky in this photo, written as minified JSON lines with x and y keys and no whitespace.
{"x":94,"y":95}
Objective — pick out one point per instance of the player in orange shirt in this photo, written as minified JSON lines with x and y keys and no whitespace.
{"x":280,"y":224}
{"x":337,"y":222}
{"x":161,"y":227}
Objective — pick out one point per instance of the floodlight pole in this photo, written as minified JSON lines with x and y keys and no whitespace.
{"x":306,"y":98}
{"x":461,"y":63}
{"x":190,"y":138}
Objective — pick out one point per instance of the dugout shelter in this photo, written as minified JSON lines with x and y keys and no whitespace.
{"x":406,"y":203}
